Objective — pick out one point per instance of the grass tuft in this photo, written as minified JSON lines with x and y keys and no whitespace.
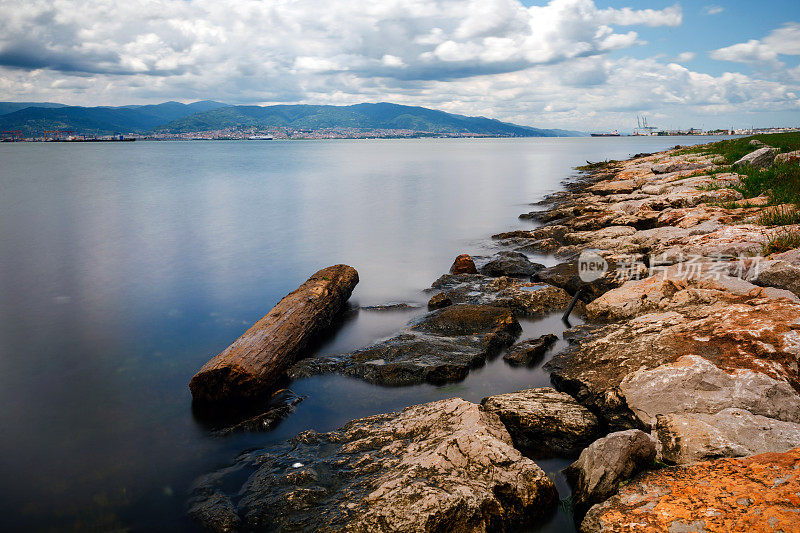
{"x":782,"y":242}
{"x":782,"y":215}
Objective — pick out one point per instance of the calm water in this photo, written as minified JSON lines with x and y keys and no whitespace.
{"x":124,"y":267}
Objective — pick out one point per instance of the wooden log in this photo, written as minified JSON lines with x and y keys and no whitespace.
{"x":249,"y":367}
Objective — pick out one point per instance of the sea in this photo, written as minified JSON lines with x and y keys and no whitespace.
{"x":124,"y":267}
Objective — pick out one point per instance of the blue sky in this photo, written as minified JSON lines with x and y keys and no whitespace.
{"x":578,"y":64}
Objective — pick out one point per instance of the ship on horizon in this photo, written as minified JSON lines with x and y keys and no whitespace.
{"x":614,"y":133}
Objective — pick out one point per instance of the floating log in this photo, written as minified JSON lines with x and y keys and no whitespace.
{"x":250,"y":366}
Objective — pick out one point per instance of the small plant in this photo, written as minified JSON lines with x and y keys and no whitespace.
{"x":657,"y":465}
{"x":781,"y":242}
{"x":589,"y":166}
{"x":782,"y":215}
{"x":713,"y":186}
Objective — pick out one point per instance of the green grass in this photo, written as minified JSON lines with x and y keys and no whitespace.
{"x":781,"y":183}
{"x":782,"y":242}
{"x":734,"y":149}
{"x":781,"y":215}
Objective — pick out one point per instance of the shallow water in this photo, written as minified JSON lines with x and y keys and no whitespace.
{"x":124,"y":267}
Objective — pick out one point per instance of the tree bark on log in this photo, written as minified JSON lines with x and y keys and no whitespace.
{"x":249,"y":367}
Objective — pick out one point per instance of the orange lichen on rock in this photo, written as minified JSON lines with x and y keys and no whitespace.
{"x":760,"y":493}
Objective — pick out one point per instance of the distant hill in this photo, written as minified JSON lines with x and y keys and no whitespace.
{"x":360,"y":116}
{"x":10,"y":107}
{"x":35,"y":118}
{"x":174,"y":117}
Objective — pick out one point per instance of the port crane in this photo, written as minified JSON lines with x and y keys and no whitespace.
{"x":13,"y":135}
{"x":643,"y":128}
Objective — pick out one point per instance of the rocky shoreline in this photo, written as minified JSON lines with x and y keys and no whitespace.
{"x":688,"y":362}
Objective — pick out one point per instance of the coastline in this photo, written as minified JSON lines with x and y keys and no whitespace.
{"x":629,"y":214}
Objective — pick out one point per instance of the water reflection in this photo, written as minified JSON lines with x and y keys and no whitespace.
{"x":124,"y":268}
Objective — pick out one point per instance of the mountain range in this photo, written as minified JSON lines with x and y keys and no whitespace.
{"x":33,"y":118}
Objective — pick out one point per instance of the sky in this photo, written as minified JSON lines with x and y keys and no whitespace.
{"x":591,"y":65}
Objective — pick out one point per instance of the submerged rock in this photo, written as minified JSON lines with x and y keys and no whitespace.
{"x":281,"y":405}
{"x":508,"y":263}
{"x":440,"y":347}
{"x":529,"y":351}
{"x":758,"y":493}
{"x":608,"y":461}
{"x":522,"y":297}
{"x":544,"y":421}
{"x":441,"y":466}
{"x":463,"y":265}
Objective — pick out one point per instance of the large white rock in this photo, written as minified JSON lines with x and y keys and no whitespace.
{"x":761,"y":158}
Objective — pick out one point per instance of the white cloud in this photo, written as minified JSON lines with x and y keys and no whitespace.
{"x":713,"y":9}
{"x":783,"y":41}
{"x":541,"y":65}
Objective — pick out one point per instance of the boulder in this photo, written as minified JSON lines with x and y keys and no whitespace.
{"x":522,"y":297}
{"x":693,"y":384}
{"x":778,"y":274}
{"x":565,"y":275}
{"x":253,"y":363}
{"x":463,"y":265}
{"x":530,"y":351}
{"x":441,"y":466}
{"x":544,"y":421}
{"x":787,"y":157}
{"x":748,"y":332}
{"x":441,"y":347}
{"x":679,"y":286}
{"x":758,"y":493}
{"x":509,"y":263}
{"x":677,"y":166}
{"x":438,"y":301}
{"x":613,"y":187}
{"x":756,"y":143}
{"x":690,"y":437}
{"x":601,"y":467}
{"x":761,"y":158}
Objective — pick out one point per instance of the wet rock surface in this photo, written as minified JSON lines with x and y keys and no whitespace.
{"x":510,"y":263}
{"x":544,"y":421}
{"x":440,"y":347}
{"x":529,"y":352}
{"x":463,"y":264}
{"x":601,"y":467}
{"x":442,"y":466}
{"x":282,"y":404}
{"x":525,"y":299}
{"x":758,"y":493}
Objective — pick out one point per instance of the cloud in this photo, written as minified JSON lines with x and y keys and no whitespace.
{"x":713,"y":9}
{"x":543,"y":65}
{"x":412,"y":39}
{"x":783,"y":41}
